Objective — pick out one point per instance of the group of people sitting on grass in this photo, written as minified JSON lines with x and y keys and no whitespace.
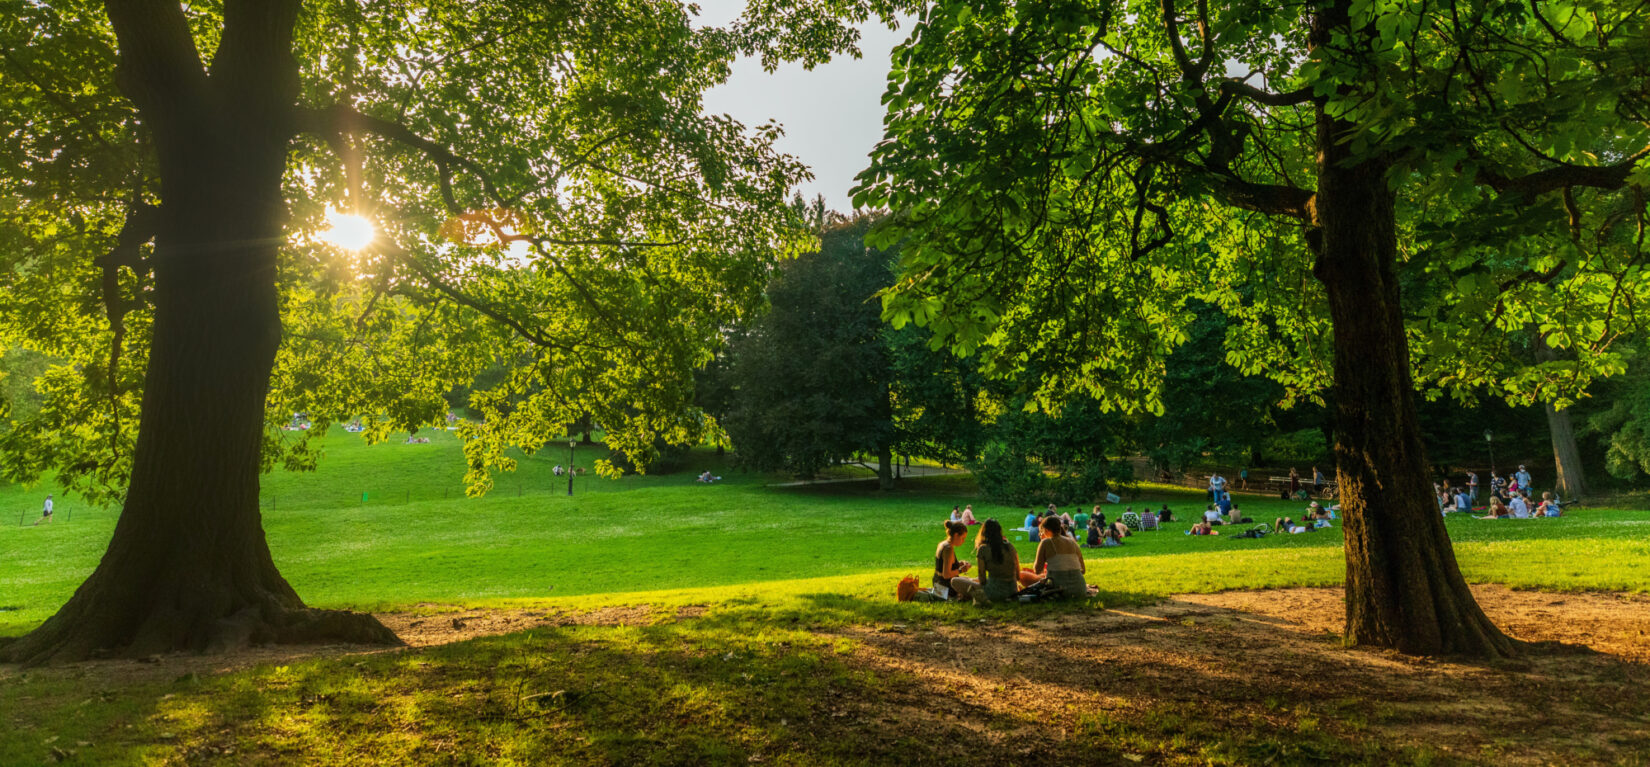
{"x":1092,"y":525}
{"x":1510,"y":498}
{"x":1057,"y":572}
{"x":1518,"y":506}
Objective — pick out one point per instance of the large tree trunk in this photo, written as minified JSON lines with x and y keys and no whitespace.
{"x":188,"y":567}
{"x":885,"y":467}
{"x":1403,"y":587}
{"x":1569,"y":478}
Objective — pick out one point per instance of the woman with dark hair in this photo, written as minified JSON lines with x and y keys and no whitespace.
{"x":999,"y":562}
{"x":948,"y":570}
{"x":1060,"y":560}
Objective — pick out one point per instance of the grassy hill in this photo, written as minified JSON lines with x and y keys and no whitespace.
{"x":380,"y":526}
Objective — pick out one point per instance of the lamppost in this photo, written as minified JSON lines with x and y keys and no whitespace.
{"x":570,"y":444}
{"x":1489,"y":439}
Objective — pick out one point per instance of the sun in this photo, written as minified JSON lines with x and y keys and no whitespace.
{"x":347,"y":230}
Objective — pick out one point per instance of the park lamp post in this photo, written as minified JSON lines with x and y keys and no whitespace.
{"x":570,"y":444}
{"x":1489,"y":439}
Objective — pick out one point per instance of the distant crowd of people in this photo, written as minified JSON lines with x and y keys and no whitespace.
{"x":1509,"y":497}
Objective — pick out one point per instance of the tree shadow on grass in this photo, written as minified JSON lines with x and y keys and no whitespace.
{"x":851,"y":680}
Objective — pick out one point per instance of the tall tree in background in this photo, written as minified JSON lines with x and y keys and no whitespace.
{"x":810,"y":381}
{"x":1066,"y":175}
{"x":546,"y":191}
{"x":1208,"y":406}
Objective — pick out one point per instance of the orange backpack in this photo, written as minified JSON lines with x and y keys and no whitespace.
{"x":907,"y":589}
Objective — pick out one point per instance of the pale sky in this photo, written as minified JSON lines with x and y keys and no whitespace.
{"x":832,"y":115}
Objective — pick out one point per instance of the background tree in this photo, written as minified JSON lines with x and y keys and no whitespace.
{"x":1056,"y":455}
{"x":1340,"y":177}
{"x":545,"y":189}
{"x":810,"y":381}
{"x":1208,"y":405}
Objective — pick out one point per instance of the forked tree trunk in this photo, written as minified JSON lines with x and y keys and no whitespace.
{"x":188,"y":567}
{"x":1403,"y":587}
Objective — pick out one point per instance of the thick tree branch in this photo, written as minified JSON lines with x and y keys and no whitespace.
{"x":159,"y":69}
{"x":141,"y":225}
{"x":1259,"y":96}
{"x":1532,"y":185}
{"x":253,"y":63}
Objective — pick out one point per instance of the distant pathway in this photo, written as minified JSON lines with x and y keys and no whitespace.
{"x":905,"y":472}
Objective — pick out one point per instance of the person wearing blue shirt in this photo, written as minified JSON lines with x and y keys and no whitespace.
{"x":1523,"y":478}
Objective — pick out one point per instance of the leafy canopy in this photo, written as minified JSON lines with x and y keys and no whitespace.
{"x":547,"y":192}
{"x":1070,"y":174}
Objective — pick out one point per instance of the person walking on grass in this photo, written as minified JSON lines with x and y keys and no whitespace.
{"x":45,"y":513}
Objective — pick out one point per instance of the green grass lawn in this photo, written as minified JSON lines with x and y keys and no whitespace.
{"x":771,"y":672}
{"x":388,"y":525}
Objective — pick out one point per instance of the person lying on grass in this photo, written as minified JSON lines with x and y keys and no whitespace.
{"x":1288,"y":525}
{"x":999,"y":562}
{"x":1204,"y":528}
{"x":948,"y":570}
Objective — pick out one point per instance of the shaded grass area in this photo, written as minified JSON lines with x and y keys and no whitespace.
{"x":823,"y":678}
{"x":741,"y":685}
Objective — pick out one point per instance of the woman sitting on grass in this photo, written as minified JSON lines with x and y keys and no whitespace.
{"x":1097,"y":531}
{"x":999,"y":562}
{"x":1113,"y":538}
{"x":1060,"y":561}
{"x":948,"y":570}
{"x":968,"y":515}
{"x":1497,"y":509}
{"x":1549,"y":507}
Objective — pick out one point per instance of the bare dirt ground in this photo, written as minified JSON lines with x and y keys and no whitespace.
{"x":1273,"y":659}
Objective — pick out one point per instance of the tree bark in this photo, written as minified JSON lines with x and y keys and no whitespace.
{"x":1404,"y":589}
{"x":1569,"y":476}
{"x":188,"y":567}
{"x":885,"y":467}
